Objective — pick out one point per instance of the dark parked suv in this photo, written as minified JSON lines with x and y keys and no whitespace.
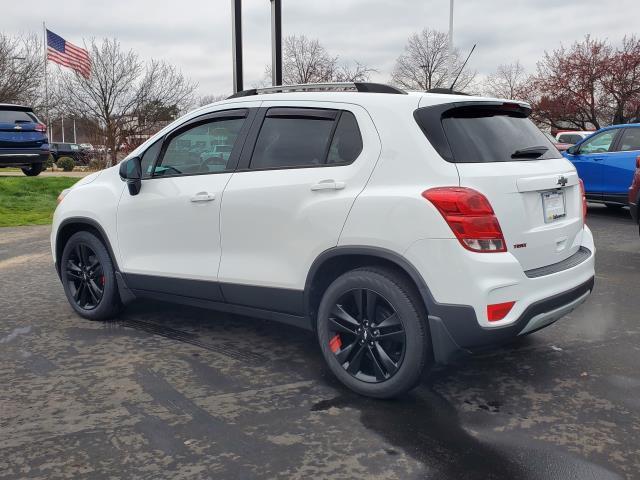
{"x":23,"y":139}
{"x":72,"y":150}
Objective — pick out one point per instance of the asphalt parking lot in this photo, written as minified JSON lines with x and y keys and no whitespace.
{"x":175,"y":392}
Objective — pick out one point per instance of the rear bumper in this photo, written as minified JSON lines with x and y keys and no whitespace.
{"x":21,"y":157}
{"x":463,"y":284}
{"x":457,"y":332}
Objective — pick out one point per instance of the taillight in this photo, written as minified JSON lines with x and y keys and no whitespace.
{"x":584,"y":201}
{"x":498,"y":311}
{"x":638,"y":161}
{"x":40,"y":127}
{"x":470,"y":216}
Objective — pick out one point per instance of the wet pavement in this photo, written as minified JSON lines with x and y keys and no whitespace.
{"x":175,"y":392}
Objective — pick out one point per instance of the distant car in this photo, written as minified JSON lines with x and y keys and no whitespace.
{"x":606,"y":162}
{"x":23,"y":139}
{"x":559,"y":145}
{"x":220,"y":151}
{"x":73,"y":150}
{"x":87,"y":147}
{"x":572,"y":136}
{"x":634,"y":194}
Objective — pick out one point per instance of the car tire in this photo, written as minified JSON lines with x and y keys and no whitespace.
{"x":88,"y":277}
{"x":34,"y":170}
{"x":397,"y":308}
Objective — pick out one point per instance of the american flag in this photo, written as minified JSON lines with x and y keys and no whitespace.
{"x":67,"y":54}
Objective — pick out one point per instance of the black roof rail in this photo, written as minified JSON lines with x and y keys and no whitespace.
{"x":446,"y":91}
{"x":367,"y":87}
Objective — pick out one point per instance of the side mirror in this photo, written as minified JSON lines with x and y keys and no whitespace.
{"x":131,"y":172}
{"x":572,"y":150}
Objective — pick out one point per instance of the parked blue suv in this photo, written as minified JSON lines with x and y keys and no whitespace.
{"x":23,"y":139}
{"x":606,"y":162}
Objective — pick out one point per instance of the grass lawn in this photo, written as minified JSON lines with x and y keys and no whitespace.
{"x":30,"y":200}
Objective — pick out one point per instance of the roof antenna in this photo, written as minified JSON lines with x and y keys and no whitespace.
{"x":462,"y":68}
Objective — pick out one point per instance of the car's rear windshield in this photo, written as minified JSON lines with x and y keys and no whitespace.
{"x":479,"y":134}
{"x":16,"y":116}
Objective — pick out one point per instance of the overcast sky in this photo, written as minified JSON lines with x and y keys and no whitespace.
{"x":196,"y":34}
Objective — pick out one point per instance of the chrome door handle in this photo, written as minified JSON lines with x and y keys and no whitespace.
{"x":328,"y":185}
{"x":203,"y":197}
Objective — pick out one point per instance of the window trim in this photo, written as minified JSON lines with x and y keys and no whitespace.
{"x":233,"y":113}
{"x":244,"y":164}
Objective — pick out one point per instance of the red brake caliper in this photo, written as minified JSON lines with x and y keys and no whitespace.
{"x":335,"y":343}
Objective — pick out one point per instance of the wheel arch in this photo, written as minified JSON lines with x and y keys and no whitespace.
{"x":72,"y":225}
{"x":338,"y":260}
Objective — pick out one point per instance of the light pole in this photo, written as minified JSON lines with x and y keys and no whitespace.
{"x":236,"y":32}
{"x":276,"y":42}
{"x":450,"y":72}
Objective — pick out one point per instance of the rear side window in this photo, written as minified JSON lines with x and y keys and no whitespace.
{"x":630,"y":140}
{"x":484,"y":134}
{"x":16,"y":116}
{"x":347,"y":141}
{"x":306,"y":137}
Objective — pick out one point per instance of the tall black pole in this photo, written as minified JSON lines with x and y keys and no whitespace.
{"x":276,"y":42}
{"x":236,"y":32}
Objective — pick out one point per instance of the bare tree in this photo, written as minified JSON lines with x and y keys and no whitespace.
{"x":21,"y":70}
{"x":127,"y":97}
{"x":305,"y":60}
{"x":207,"y":99}
{"x":508,"y":81}
{"x":423,"y":65}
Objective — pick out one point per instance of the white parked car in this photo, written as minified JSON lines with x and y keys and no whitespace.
{"x":400,"y":228}
{"x":572,"y":136}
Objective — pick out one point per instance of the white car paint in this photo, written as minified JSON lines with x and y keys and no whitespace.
{"x":265,"y":228}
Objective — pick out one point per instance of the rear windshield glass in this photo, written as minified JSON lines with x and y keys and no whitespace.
{"x":481,"y":134}
{"x":15,"y":116}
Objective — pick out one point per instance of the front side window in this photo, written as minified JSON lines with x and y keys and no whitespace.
{"x":148,"y":158}
{"x":197,"y":149}
{"x":600,"y":143}
{"x":630,"y":140}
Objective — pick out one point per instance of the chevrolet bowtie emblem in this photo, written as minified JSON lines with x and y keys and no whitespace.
{"x":17,"y":127}
{"x":562,"y":181}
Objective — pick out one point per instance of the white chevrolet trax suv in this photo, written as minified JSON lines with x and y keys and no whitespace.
{"x":399,"y":228}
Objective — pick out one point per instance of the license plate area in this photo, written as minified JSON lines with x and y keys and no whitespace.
{"x":554,"y":206}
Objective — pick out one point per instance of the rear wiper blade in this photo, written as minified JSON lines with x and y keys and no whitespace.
{"x":530,"y":152}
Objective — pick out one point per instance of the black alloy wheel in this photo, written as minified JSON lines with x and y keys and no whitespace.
{"x":85,"y":277}
{"x":366,"y":335}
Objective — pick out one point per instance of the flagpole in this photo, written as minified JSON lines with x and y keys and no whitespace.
{"x":46,"y":82}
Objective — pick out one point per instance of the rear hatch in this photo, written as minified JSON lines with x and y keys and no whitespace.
{"x":20,"y":128}
{"x":533,"y":190}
